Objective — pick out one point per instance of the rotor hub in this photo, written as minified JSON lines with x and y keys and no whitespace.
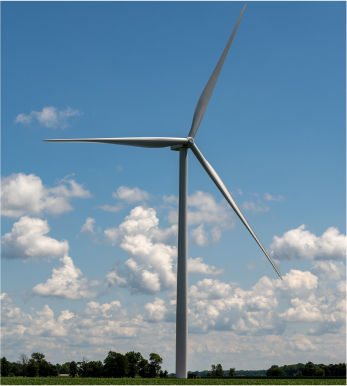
{"x":190,"y":141}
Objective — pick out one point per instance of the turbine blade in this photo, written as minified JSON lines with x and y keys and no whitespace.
{"x":220,"y":185}
{"x":208,"y":90}
{"x":134,"y":141}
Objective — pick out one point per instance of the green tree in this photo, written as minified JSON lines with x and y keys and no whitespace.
{"x":309,"y":369}
{"x":82,"y":368}
{"x":274,"y":371}
{"x":73,"y":369}
{"x":232,"y":372}
{"x":155,"y":361}
{"x":5,"y":367}
{"x":38,"y":356}
{"x":32,"y":368}
{"x":65,"y":368}
{"x":115,"y":365}
{"x":144,"y":368}
{"x":163,"y":374}
{"x":16,"y":369}
{"x":45,"y":368}
{"x":91,"y":369}
{"x":219,"y":370}
{"x":319,"y":371}
{"x":134,"y":359}
{"x":23,"y":361}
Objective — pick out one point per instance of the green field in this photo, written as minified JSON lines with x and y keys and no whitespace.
{"x":168,"y":381}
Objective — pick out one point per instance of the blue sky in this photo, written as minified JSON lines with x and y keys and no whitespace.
{"x":89,"y":230}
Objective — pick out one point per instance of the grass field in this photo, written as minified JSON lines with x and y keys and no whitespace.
{"x":167,"y":381}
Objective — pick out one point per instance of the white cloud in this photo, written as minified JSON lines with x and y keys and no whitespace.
{"x":197,"y":266}
{"x":150,"y":267}
{"x":199,"y":236}
{"x":67,"y":282}
{"x":302,"y":343}
{"x":255,"y":207}
{"x":25,"y":194}
{"x":111,"y":208}
{"x":49,"y":117}
{"x":271,"y":197}
{"x":155,"y":311}
{"x":298,"y":284}
{"x":300,"y":243}
{"x":64,"y":333}
{"x":88,"y":226}
{"x":106,"y":310}
{"x":303,"y":311}
{"x":209,"y":217}
{"x":204,"y":209}
{"x":334,"y":270}
{"x":28,"y":239}
{"x":270,"y":307}
{"x":130,"y":195}
{"x":281,"y":320}
{"x":112,"y":278}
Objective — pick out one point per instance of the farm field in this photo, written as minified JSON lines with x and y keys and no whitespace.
{"x":168,"y":381}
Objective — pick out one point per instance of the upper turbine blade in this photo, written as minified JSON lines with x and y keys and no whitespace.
{"x":132,"y":141}
{"x":206,"y":94}
{"x":220,"y":185}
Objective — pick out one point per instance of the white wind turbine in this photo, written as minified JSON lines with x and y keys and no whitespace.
{"x":182,"y":145}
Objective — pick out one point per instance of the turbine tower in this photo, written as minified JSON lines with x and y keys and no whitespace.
{"x":183,"y":145}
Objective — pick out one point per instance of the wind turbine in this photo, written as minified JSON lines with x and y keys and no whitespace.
{"x":183,"y":145}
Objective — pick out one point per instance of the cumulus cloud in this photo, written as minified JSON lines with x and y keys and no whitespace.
{"x":197,"y":266}
{"x":304,"y":313}
{"x":25,"y":194}
{"x":300,"y":243}
{"x":155,"y":311}
{"x":199,"y":236}
{"x":334,"y":270}
{"x":270,"y":306}
{"x":299,"y":283}
{"x":207,"y":217}
{"x":106,"y":310}
{"x":61,"y":332}
{"x":88,"y":226}
{"x":150,"y":267}
{"x":203,"y":208}
{"x":49,"y":117}
{"x":67,"y":281}
{"x":28,"y":239}
{"x":130,"y":195}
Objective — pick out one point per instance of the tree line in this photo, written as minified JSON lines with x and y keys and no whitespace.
{"x":115,"y":365}
{"x":308,"y":369}
{"x":296,"y":370}
{"x":131,"y":364}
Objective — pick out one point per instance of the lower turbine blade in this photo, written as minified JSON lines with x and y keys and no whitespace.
{"x":135,"y":141}
{"x":220,"y":185}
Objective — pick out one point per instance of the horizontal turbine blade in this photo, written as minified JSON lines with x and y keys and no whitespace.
{"x":220,"y":185}
{"x":134,"y":141}
{"x":208,"y":90}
